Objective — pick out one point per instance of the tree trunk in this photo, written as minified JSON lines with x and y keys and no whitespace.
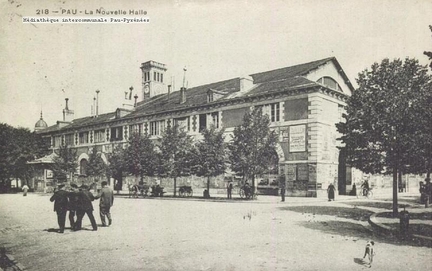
{"x":175,"y":186}
{"x":395,"y":192}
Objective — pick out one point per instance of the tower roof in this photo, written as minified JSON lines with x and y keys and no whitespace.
{"x":41,"y":124}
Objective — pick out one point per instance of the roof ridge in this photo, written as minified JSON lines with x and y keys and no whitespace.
{"x":296,"y":65}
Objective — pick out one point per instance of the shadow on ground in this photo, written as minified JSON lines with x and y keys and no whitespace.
{"x":353,"y":229}
{"x":376,"y":204}
{"x":343,"y":212}
{"x":360,"y":261}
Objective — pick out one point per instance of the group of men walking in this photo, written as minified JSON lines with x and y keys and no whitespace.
{"x":78,"y":202}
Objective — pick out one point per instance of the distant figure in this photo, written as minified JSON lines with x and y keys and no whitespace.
{"x":370,"y":252}
{"x":283,"y":191}
{"x":428,"y":189}
{"x":331,"y":192}
{"x":85,"y":206}
{"x":25,"y":189}
{"x":354,"y":190}
{"x":229,"y":190}
{"x":365,"y":187}
{"x":106,"y":196}
{"x":60,"y":199}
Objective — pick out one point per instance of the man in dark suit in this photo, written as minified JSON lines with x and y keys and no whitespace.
{"x":73,"y":202}
{"x":106,"y":196}
{"x":85,"y":206}
{"x":60,"y":199}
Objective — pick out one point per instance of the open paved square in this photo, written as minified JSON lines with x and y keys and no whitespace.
{"x":191,"y":234}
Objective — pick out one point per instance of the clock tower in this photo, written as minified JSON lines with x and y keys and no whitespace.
{"x":153,"y":76}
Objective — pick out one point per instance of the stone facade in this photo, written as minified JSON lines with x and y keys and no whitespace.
{"x":304,"y":102}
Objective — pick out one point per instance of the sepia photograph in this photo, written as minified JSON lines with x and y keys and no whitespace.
{"x":215,"y":135}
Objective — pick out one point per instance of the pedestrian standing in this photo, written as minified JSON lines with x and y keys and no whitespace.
{"x":60,"y":199}
{"x":229,"y":190}
{"x":370,"y":252}
{"x":25,"y":189}
{"x":85,"y":206}
{"x":331,"y":192}
{"x":106,"y":196}
{"x":283,"y":190}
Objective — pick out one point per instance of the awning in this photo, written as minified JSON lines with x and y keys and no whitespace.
{"x":49,"y":159}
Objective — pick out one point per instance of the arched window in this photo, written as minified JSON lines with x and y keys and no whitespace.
{"x":83,"y":167}
{"x":330,"y":83}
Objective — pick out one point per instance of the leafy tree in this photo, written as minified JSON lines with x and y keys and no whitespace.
{"x":117,"y":165}
{"x":96,"y":167}
{"x":379,"y":131}
{"x":18,"y":146}
{"x":140,"y":156}
{"x":65,"y":163}
{"x":176,"y":156}
{"x":253,"y":147}
{"x":211,"y":155}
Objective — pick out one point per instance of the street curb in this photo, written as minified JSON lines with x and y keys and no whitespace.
{"x":424,"y":240}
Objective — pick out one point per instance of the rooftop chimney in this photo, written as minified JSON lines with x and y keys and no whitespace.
{"x":135,"y":97}
{"x":68,"y":115}
{"x":246,"y":83}
{"x":97,"y":102}
{"x":182,"y":95}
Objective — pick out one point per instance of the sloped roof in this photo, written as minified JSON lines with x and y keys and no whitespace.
{"x":265,"y":82}
{"x":287,"y":72}
{"x":194,"y":96}
{"x":298,"y":70}
{"x":86,"y":121}
{"x":77,"y":123}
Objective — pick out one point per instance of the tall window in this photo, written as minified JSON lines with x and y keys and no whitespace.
{"x":117,"y":133}
{"x":57,"y":141}
{"x":274,"y":112}
{"x":135,"y":129}
{"x":99,"y":136}
{"x":84,"y":138}
{"x":157,"y":127}
{"x":215,"y":119}
{"x":69,"y":139}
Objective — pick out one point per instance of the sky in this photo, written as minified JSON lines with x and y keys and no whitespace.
{"x":42,"y":64}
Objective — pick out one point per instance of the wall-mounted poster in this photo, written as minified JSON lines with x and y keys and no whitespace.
{"x":297,"y":138}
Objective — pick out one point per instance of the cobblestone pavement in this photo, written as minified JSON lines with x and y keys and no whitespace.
{"x":171,"y":234}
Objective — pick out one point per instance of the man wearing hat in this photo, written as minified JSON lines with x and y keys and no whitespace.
{"x":106,"y":196}
{"x":60,"y":199}
{"x":85,"y":206}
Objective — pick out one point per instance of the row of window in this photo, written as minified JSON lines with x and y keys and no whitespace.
{"x":157,"y":128}
{"x":157,"y":76}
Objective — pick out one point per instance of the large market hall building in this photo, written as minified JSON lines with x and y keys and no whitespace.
{"x":303,"y":102}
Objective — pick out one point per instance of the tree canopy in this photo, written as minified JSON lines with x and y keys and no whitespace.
{"x":65,"y":163}
{"x":252,"y":149}
{"x":176,"y":157}
{"x":19,"y":146}
{"x":140,"y":156}
{"x":383,"y":115}
{"x":210,"y":158}
{"x":96,"y":167}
